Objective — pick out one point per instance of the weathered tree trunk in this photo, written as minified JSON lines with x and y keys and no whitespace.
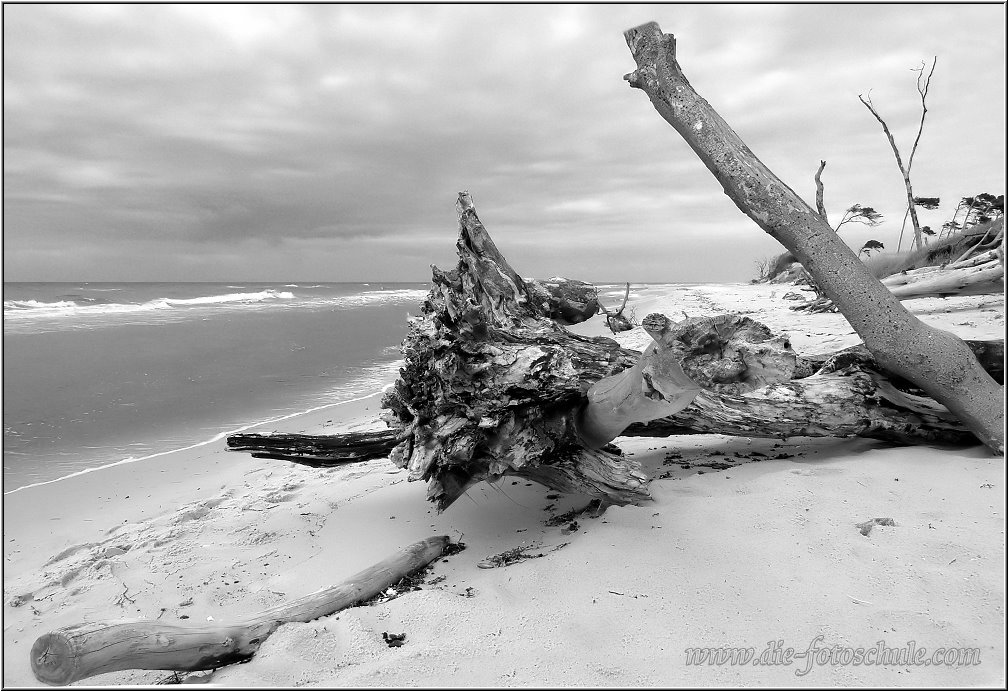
{"x":933,"y":359}
{"x":810,"y":408}
{"x":84,"y":650}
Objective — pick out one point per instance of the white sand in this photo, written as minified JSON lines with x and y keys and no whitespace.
{"x":737,"y":557}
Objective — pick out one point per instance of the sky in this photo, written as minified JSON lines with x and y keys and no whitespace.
{"x":329,"y":142}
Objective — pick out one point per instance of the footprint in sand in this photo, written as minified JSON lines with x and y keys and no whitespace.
{"x":69,"y":551}
{"x":200,"y":509}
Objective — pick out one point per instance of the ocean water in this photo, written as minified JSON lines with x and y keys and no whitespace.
{"x":95,"y":373}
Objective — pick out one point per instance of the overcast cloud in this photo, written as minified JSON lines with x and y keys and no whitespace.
{"x":327,"y":143}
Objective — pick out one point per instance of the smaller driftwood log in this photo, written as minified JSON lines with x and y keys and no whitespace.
{"x":317,"y":451}
{"x":84,"y":650}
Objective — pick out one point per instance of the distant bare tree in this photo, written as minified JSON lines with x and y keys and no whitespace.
{"x":922,"y":88}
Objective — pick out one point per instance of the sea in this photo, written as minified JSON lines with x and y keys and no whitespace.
{"x":96,"y":374}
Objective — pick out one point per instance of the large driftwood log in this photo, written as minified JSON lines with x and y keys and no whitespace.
{"x":982,"y":274}
{"x":933,"y":359}
{"x":84,"y":650}
{"x":839,"y":402}
{"x":492,"y":387}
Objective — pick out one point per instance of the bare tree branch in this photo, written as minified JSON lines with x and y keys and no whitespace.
{"x":922,"y":89}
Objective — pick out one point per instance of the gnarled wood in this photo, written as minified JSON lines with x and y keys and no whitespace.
{"x":84,"y":650}
{"x":565,"y":300}
{"x":615,"y":319}
{"x":933,"y":359}
{"x":491,"y":387}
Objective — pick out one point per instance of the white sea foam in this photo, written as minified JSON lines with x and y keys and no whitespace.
{"x":370,"y":297}
{"x":33,"y":309}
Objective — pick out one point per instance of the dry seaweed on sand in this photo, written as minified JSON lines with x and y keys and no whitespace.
{"x":594,"y":508}
{"x":517,"y":554}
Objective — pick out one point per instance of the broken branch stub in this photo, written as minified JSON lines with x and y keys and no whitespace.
{"x":615,"y":319}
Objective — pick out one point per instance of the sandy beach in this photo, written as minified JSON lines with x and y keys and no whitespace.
{"x":736,"y":550}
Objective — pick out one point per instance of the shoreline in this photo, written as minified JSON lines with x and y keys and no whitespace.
{"x":220,"y":436}
{"x":729,"y":553}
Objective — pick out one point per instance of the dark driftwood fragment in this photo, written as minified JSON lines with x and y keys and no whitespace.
{"x":77,"y":652}
{"x":316,"y":450}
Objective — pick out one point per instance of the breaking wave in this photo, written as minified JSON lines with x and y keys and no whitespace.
{"x":33,"y":309}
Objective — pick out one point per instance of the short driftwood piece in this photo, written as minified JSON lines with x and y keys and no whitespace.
{"x":84,"y":650}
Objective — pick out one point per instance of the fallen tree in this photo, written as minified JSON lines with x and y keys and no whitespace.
{"x":778,"y":411}
{"x":972,"y":274}
{"x":933,"y":359}
{"x":493,"y":387}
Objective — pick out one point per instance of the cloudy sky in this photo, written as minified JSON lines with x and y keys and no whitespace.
{"x":327,"y":143}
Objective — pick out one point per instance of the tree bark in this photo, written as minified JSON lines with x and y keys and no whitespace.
{"x":933,"y":359}
{"x":84,"y":650}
